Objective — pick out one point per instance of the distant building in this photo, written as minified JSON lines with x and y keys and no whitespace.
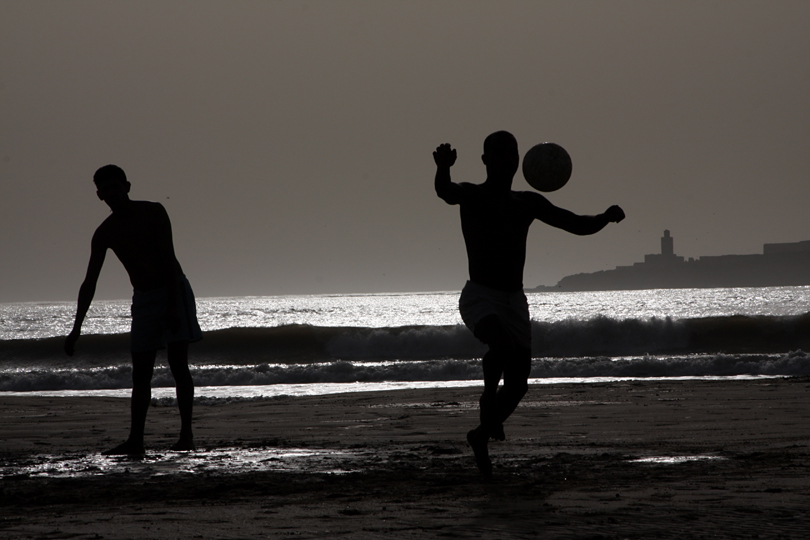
{"x":667,"y":255}
{"x":778,"y":265}
{"x":778,"y":249}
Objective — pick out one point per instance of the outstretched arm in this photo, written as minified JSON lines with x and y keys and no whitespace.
{"x":568,"y":221}
{"x":98,"y":251}
{"x":446,"y":189}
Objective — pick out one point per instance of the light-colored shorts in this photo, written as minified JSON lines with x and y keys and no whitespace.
{"x":150,"y":329}
{"x":478,"y":301}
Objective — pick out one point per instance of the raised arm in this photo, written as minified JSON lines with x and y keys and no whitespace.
{"x":446,"y":189}
{"x":98,"y":251}
{"x":568,"y":221}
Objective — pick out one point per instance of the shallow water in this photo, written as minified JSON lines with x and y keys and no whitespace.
{"x":49,"y":319}
{"x":218,"y":461}
{"x":206,"y":394}
{"x":260,"y":347}
{"x":226,"y":461}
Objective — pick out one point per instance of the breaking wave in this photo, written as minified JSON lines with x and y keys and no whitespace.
{"x":302,"y":354}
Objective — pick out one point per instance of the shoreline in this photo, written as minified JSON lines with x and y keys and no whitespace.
{"x":738,"y":450}
{"x":204,"y":395}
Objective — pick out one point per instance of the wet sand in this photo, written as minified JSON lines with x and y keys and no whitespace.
{"x":670,"y":459}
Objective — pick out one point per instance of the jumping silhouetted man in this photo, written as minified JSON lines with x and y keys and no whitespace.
{"x":163,"y":306}
{"x":495,"y":223}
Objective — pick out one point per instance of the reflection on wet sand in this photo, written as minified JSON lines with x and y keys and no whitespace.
{"x":674,"y":460}
{"x":218,"y":461}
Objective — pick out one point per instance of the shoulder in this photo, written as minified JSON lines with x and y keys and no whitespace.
{"x":527,"y":195}
{"x":458,"y":192}
{"x":150,"y":210}
{"x":534,"y":204}
{"x":470,"y":191}
{"x":530,"y":198}
{"x":149,"y":206}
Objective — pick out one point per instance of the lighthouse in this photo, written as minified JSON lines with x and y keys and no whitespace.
{"x":667,"y":246}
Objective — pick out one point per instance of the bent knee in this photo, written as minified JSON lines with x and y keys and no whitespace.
{"x":517,"y":388}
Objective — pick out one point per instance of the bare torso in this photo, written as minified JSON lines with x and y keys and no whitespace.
{"x":495,"y":227}
{"x":141,"y":238}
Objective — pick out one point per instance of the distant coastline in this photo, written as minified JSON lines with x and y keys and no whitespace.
{"x":786,"y":264}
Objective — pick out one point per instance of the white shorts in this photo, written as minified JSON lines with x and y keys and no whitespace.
{"x":478,"y":301}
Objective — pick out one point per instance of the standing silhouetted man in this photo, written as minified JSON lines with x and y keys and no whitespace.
{"x":163,"y":306}
{"x":495,"y":223}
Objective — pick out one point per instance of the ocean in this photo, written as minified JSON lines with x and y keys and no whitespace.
{"x":261,"y":347}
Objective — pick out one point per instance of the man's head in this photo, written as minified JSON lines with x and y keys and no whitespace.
{"x":501,"y":156}
{"x":111,"y":184}
{"x":110,"y":173}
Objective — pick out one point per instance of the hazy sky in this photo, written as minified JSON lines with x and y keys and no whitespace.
{"x":291,"y":141}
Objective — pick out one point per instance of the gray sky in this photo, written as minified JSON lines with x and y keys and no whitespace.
{"x":291,"y":141}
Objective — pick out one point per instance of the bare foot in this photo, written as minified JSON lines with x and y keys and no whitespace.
{"x":185,"y":444}
{"x":126,"y":448}
{"x":478,"y":442}
{"x":496,"y":433}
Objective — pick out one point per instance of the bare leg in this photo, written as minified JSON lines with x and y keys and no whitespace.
{"x":178,"y":362}
{"x":506,"y":359}
{"x":143,"y":365}
{"x":495,"y":405}
{"x":515,"y":385}
{"x":493,"y":364}
{"x":478,"y":439}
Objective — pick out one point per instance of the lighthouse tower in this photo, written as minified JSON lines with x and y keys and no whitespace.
{"x":667,"y":246}
{"x":667,"y":255}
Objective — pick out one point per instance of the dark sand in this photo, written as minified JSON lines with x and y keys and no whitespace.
{"x":566,"y":469}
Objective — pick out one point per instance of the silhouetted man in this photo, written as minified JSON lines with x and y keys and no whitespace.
{"x":495,"y":223}
{"x":163,"y":307}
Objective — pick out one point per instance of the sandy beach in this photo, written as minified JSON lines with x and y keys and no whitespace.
{"x":663,"y":459}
